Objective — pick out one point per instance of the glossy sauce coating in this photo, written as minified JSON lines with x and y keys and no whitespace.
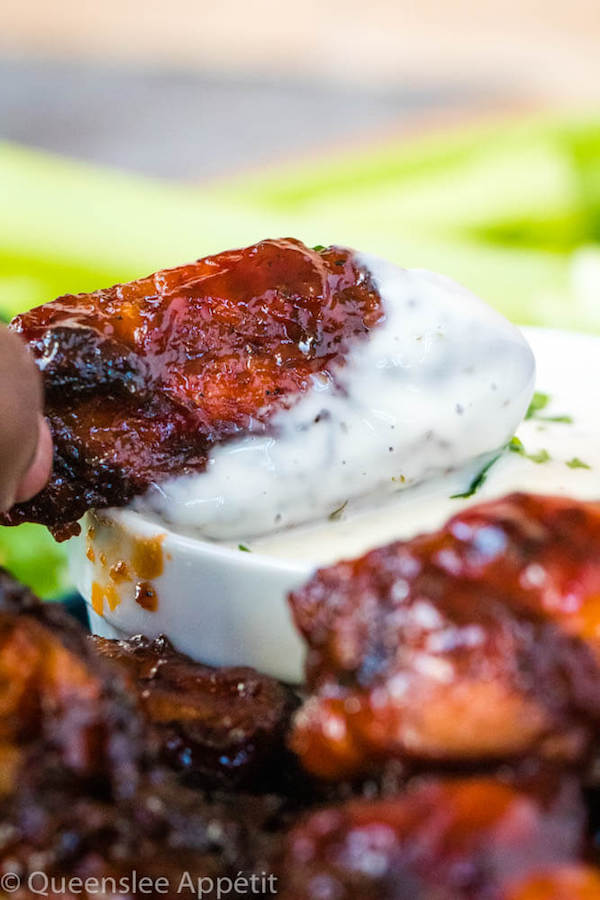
{"x":479,"y":642}
{"x":221,"y":726}
{"x":444,"y":839}
{"x":560,"y":883}
{"x":143,"y":378}
{"x":84,"y":793}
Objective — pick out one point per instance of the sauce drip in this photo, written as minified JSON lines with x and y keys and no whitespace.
{"x":119,"y":559}
{"x":146,"y":596}
{"x":147,"y":557}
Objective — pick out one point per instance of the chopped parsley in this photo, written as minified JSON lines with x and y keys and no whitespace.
{"x":577,"y":463}
{"x":515,"y":445}
{"x":337,"y":513}
{"x":542,"y":456}
{"x":244,"y":548}
{"x":477,"y":481}
{"x":319,"y":248}
{"x":566,"y":420}
{"x":539,"y":402}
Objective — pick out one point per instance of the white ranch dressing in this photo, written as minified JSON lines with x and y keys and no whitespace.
{"x":440,"y":384}
{"x":568,"y":367}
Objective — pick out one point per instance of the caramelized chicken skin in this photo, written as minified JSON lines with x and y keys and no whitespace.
{"x":444,"y":839}
{"x":142,"y":379}
{"x":476,"y":643}
{"x":576,"y":882}
{"x":221,"y":726}
{"x":59,"y":703}
{"x":82,"y":791}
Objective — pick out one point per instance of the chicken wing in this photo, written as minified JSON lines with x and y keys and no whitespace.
{"x":478,"y":643}
{"x":441,"y":840}
{"x":220,"y":726}
{"x":82,"y":792}
{"x":577,"y":882}
{"x":59,"y":703}
{"x":142,"y":379}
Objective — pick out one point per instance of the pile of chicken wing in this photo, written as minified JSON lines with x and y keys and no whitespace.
{"x":443,"y":747}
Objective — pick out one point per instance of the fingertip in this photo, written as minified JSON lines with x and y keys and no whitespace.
{"x":40,"y":469}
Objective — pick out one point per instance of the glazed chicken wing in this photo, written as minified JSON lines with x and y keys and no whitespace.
{"x":577,"y":882}
{"x":81,"y":789}
{"x":443,"y":840}
{"x":142,"y":379}
{"x":221,"y":726}
{"x":60,"y":707}
{"x":475,"y":644}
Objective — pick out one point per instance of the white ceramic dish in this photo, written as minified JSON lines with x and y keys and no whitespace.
{"x":225,"y":606}
{"x":219,"y":605}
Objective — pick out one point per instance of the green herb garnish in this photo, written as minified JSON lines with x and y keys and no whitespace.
{"x":542,"y":456}
{"x":577,"y":463}
{"x":244,"y":548}
{"x":566,"y":420}
{"x":539,"y":401}
{"x":336,"y":514}
{"x":477,"y":481}
{"x":515,"y":445}
{"x":319,"y":248}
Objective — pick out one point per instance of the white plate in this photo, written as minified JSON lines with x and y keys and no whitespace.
{"x":225,"y":606}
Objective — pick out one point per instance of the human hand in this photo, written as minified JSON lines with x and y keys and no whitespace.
{"x":25,"y":440}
